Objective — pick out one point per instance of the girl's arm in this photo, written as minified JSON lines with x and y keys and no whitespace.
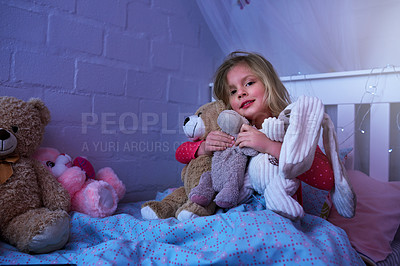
{"x":253,"y":138}
{"x":187,"y":151}
{"x":215,"y":141}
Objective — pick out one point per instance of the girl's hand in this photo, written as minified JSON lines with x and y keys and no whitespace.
{"x":253,"y":138}
{"x":215,"y":141}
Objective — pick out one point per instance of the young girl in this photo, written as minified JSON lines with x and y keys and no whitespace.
{"x":248,"y":84}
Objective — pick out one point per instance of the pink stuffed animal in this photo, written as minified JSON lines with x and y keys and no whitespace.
{"x":95,"y":195}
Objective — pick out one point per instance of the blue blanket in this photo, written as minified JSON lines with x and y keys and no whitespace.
{"x":247,"y":234}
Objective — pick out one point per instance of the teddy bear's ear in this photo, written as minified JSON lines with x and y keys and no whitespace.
{"x":41,"y":107}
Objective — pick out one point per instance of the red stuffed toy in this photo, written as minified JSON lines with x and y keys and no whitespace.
{"x":95,"y":195}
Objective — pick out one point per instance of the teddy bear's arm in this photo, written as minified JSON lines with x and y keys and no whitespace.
{"x":54,"y":196}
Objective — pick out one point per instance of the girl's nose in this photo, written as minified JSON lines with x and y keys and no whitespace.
{"x":241,"y":93}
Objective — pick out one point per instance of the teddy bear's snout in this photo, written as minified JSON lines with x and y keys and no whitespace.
{"x":8,"y":142}
{"x":193,"y":127}
{"x":4,"y":134}
{"x":187,"y":119}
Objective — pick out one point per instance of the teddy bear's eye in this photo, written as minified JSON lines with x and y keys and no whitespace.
{"x":199,"y":114}
{"x":14,"y":129}
{"x":50,"y":164}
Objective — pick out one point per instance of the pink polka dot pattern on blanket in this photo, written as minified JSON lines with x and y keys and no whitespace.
{"x":247,"y":234}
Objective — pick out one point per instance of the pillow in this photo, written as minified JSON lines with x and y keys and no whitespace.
{"x":377,"y":217}
{"x":343,"y":153}
{"x":316,"y":201}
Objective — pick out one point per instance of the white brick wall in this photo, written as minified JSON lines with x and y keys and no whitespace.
{"x":135,"y":66}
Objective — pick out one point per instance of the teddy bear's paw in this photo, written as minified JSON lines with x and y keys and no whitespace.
{"x":186,"y":215}
{"x":53,"y":237}
{"x":108,"y":175}
{"x":227,"y":198}
{"x":200,"y":199}
{"x":225,"y":204}
{"x":96,"y":198}
{"x":148,"y":213}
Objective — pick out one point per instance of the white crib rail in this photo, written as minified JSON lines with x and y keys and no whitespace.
{"x":378,"y":87}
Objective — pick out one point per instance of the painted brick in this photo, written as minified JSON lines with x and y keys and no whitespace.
{"x":166,"y":55}
{"x":44,"y":69}
{"x":172,"y":142}
{"x":202,"y":66}
{"x":141,"y":145}
{"x":100,"y":79}
{"x":71,"y":34}
{"x":185,"y":31}
{"x":108,"y":11}
{"x":115,"y":104}
{"x":67,"y":108}
{"x":21,"y":93}
{"x":167,"y":174}
{"x":143,"y":19}
{"x":135,"y":193}
{"x":159,"y":116}
{"x":116,"y":114}
{"x":183,"y":91}
{"x":68,"y":5}
{"x":138,"y":70}
{"x":154,"y":176}
{"x":129,"y":49}
{"x":22,"y":25}
{"x":54,"y":137}
{"x":5,"y":62}
{"x":93,"y":144}
{"x":147,"y":85}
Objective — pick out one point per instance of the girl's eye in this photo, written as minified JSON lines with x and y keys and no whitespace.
{"x":232,"y":92}
{"x":249,"y":83}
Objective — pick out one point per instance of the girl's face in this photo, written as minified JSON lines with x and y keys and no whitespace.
{"x":246,"y":94}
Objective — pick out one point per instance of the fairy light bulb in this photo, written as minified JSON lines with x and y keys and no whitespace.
{"x":362,"y":131}
{"x":372,"y":89}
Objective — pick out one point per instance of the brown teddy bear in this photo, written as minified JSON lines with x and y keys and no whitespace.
{"x":227,"y":176}
{"x":177,"y":204}
{"x":33,"y":205}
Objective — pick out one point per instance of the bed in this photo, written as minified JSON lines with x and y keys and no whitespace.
{"x":250,"y":234}
{"x":247,"y":234}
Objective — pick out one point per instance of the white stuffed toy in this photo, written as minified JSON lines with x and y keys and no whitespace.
{"x":298,"y":127}
{"x":264,"y":176}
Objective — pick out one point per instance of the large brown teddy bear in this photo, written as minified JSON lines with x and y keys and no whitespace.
{"x":177,"y":204}
{"x":33,"y":205}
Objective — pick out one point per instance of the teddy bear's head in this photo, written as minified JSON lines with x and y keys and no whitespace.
{"x":22,"y":125}
{"x":230,"y":122}
{"x":197,"y":126}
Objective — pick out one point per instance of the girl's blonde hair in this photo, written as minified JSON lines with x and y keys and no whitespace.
{"x":276,"y":96}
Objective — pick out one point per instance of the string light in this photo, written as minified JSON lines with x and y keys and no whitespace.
{"x":370,"y":89}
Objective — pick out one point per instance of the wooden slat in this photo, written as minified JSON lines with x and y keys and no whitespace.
{"x":379,"y":141}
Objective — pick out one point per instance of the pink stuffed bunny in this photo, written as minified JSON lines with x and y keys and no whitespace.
{"x":95,"y":195}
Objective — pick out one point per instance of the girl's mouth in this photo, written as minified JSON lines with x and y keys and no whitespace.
{"x":246,"y":104}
